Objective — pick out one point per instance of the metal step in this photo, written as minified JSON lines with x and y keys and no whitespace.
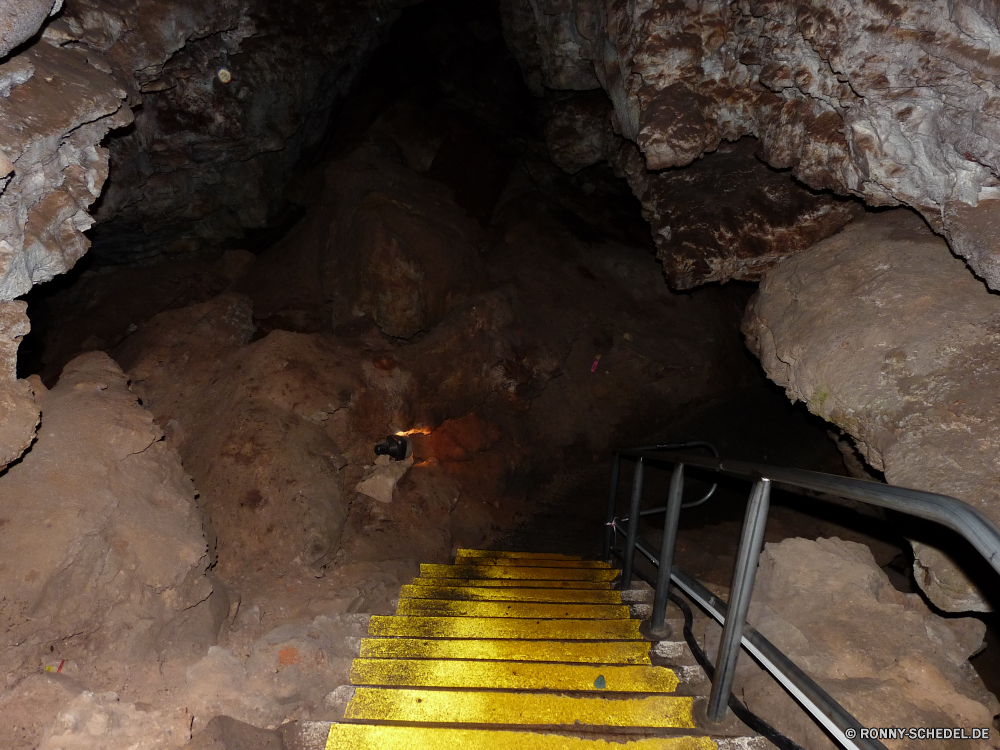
{"x":512,"y":675}
{"x":369,"y":737}
{"x":515,"y":555}
{"x":503,"y":708}
{"x":518,"y":651}
{"x":520,"y":583}
{"x":504,"y":627}
{"x":565,"y":652}
{"x":531,"y":562}
{"x":517,"y":572}
{"x":521,"y":610}
{"x":324,"y":735}
{"x":511,"y":594}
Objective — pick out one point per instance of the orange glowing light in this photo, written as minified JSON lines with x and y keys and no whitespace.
{"x":415,"y":431}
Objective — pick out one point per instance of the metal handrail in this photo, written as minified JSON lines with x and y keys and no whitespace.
{"x":609,"y":528}
{"x":962,"y":518}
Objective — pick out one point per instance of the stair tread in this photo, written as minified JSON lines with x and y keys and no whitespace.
{"x":517,"y":571}
{"x":514,"y":555}
{"x":529,"y":651}
{"x":601,"y":652}
{"x":515,"y":609}
{"x":512,"y":675}
{"x":513,"y":708}
{"x":510,"y":593}
{"x":504,"y":627}
{"x":375,"y":737}
{"x":518,"y":583}
{"x":540,"y":562}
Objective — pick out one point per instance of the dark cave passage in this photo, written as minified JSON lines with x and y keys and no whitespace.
{"x":323,"y":227}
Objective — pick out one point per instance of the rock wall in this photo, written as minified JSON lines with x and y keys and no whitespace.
{"x":18,"y":410}
{"x":249,"y":424}
{"x":228,"y":95}
{"x":208,"y":105}
{"x":883,"y":332}
{"x":385,"y":309}
{"x":889,"y":101}
{"x":728,"y":216}
{"x":104,"y":563}
{"x":884,"y":655}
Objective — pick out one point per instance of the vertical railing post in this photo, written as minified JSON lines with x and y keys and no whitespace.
{"x":635,"y":505}
{"x":674,"y":499}
{"x":609,"y":521}
{"x":739,"y":599}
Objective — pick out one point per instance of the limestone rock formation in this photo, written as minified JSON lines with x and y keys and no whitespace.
{"x":101,"y":720}
{"x":18,"y":411}
{"x":59,"y":107}
{"x":728,"y":215}
{"x":232,"y":94}
{"x":104,"y":555}
{"x":32,"y":705}
{"x":404,"y":247}
{"x":249,"y":423}
{"x":228,"y":95}
{"x":858,"y":328}
{"x":22,"y":19}
{"x":578,"y":133}
{"x":382,"y":478}
{"x":884,"y":655}
{"x":889,"y":101}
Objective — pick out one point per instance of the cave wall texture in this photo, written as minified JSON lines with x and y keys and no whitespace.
{"x":857,"y":328}
{"x":892,"y":102}
{"x":161,"y":128}
{"x":194,"y":158}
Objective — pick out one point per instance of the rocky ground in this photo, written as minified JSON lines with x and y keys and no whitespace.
{"x":883,"y":654}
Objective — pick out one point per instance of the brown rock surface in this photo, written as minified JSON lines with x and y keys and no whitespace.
{"x":884,"y":100}
{"x":249,"y":423}
{"x":411,"y":260}
{"x":278,"y":431}
{"x":883,"y":332}
{"x":208,"y":159}
{"x":578,"y":133}
{"x":728,"y":215}
{"x":884,"y":655}
{"x":18,"y":411}
{"x":51,"y":125}
{"x":28,"y":708}
{"x":101,"y":721}
{"x":104,"y":556}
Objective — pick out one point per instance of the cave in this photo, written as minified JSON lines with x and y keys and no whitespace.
{"x":306,"y":306}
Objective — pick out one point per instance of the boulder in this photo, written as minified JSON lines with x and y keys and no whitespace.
{"x":728,"y":215}
{"x":104,"y":555}
{"x":884,"y":655}
{"x":882,"y":331}
{"x":250,"y":422}
{"x":18,"y":410}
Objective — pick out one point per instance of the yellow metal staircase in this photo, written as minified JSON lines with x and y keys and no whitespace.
{"x":515,"y":651}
